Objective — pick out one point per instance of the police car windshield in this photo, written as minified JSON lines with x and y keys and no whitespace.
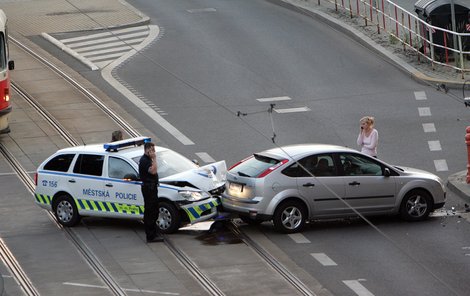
{"x":170,"y":163}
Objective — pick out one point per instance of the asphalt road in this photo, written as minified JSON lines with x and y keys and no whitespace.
{"x":215,"y":58}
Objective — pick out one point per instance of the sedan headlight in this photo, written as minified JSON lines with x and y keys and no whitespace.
{"x":193,"y":195}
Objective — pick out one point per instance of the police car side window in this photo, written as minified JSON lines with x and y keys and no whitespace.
{"x":60,"y":163}
{"x":119,"y":168}
{"x":89,"y":164}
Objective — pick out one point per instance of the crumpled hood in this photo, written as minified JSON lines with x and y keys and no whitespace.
{"x":206,"y":178}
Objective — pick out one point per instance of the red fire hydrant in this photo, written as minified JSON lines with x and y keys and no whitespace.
{"x":467,"y":141}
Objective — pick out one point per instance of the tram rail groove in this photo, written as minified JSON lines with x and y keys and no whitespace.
{"x":184,"y":260}
{"x":192,"y":268}
{"x":271,"y":261}
{"x":93,"y":98}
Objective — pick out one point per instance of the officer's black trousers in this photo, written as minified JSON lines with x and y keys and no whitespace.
{"x":150,"y":193}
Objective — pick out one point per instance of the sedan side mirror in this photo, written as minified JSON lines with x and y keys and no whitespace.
{"x":387,"y":172}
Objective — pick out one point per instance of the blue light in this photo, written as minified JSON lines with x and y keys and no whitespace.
{"x":114,"y":146}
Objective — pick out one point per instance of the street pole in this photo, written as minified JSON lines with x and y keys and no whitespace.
{"x":454,"y":29}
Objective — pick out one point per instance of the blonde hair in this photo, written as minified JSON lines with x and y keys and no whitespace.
{"x":368,"y":119}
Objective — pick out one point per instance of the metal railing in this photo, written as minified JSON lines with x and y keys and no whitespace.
{"x":411,"y":31}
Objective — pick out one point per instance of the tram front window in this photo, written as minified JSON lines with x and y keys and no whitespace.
{"x":3,"y":53}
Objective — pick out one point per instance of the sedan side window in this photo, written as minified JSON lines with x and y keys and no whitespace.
{"x":119,"y":168}
{"x":357,"y":165}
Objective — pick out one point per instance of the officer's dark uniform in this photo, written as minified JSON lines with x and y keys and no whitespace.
{"x":150,"y":193}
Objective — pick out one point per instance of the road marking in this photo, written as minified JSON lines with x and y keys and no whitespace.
{"x":205,"y":157}
{"x":358,"y":288}
{"x":201,"y":10}
{"x":129,"y":290}
{"x":429,"y":127}
{"x":105,"y":34}
{"x":106,"y":73}
{"x":424,"y":111}
{"x":323,"y":259}
{"x":292,"y":110}
{"x":420,"y":95}
{"x":441,"y":165}
{"x":274,"y":99}
{"x":434,"y":145}
{"x":299,"y":238}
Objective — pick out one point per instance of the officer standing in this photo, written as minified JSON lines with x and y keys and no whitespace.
{"x":149,"y":177}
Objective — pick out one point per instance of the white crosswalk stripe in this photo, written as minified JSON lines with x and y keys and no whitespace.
{"x":99,"y":49}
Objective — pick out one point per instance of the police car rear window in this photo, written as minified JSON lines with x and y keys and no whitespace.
{"x":60,"y":163}
{"x":89,"y":164}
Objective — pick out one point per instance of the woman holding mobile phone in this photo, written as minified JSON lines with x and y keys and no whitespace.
{"x":368,"y":136}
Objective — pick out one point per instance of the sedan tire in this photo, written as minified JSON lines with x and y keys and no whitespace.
{"x":416,"y":205}
{"x":290,"y":217}
{"x":65,"y":210}
{"x":168,"y":217}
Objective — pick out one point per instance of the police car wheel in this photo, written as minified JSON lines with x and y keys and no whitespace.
{"x":66,"y":211}
{"x":168,"y":217}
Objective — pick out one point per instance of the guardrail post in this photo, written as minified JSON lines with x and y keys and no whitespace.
{"x":467,"y":141}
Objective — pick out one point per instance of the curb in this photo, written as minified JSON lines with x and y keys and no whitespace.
{"x":458,"y":185}
{"x":367,"y":42}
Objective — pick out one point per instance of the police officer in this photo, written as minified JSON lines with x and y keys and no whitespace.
{"x":149,"y":177}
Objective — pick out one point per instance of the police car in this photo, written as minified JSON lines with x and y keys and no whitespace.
{"x":102,"y":180}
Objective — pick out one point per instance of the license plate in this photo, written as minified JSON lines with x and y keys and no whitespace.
{"x":236,"y":187}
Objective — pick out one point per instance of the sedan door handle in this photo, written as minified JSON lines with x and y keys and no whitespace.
{"x":308,"y":185}
{"x":71,"y":180}
{"x":355,"y":183}
{"x":109,"y":185}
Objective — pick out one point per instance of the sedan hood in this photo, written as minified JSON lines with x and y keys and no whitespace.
{"x":413,"y":171}
{"x":206,"y":178}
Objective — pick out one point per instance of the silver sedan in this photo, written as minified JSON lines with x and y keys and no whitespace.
{"x":293,"y":184}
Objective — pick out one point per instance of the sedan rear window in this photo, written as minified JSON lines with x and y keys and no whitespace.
{"x":254,"y":166}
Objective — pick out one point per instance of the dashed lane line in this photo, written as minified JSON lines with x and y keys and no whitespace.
{"x":292,"y":110}
{"x":441,"y":165}
{"x":205,"y":157}
{"x":299,"y":238}
{"x":323,"y":259}
{"x":274,"y":99}
{"x":434,"y":145}
{"x":424,"y":111}
{"x":429,"y":127}
{"x":357,"y":287}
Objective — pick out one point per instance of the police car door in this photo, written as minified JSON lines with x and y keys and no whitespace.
{"x":125,"y":196}
{"x":87,"y":185}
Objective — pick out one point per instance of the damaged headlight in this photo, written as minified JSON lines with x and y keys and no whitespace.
{"x":193,"y":195}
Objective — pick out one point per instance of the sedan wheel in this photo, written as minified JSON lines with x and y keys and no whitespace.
{"x":289,"y":217}
{"x":416,"y":205}
{"x":168,"y":217}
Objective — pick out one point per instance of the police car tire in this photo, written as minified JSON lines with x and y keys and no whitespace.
{"x":64,"y":204}
{"x":168,"y":217}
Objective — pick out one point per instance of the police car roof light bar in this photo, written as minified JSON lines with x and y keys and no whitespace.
{"x":114,"y":146}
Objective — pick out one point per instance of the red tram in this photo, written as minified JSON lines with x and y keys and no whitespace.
{"x":5,"y":66}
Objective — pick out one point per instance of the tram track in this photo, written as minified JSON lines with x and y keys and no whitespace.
{"x":92,"y":260}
